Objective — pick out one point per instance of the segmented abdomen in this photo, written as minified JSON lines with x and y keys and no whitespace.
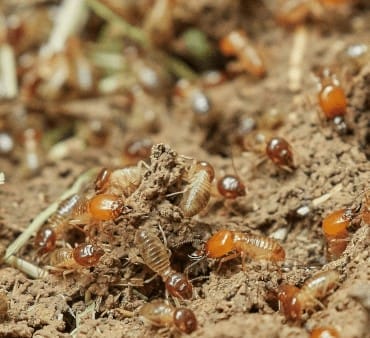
{"x":197,"y":195}
{"x":153,"y":252}
{"x":317,"y":287}
{"x":62,"y":258}
{"x":259,"y":247}
{"x":63,"y":213}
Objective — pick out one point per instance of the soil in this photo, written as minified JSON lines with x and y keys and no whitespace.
{"x":229,"y":302}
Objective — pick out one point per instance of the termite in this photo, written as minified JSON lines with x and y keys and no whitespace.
{"x":294,"y":301}
{"x":198,"y":191}
{"x":119,"y":182}
{"x":46,"y":237}
{"x":228,"y":244}
{"x":279,"y":151}
{"x":324,"y":332}
{"x":162,"y":314}
{"x":156,"y":257}
{"x":102,"y":207}
{"x":84,"y":255}
{"x":236,"y":43}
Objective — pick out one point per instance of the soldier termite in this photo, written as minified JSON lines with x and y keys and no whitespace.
{"x":227,"y":244}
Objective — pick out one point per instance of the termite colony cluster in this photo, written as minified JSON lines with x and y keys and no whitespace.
{"x":140,"y":225}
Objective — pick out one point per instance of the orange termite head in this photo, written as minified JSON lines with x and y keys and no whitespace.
{"x":203,"y":165}
{"x":231,"y":186}
{"x":288,"y":301}
{"x":178,"y":285}
{"x":336,"y":223}
{"x":333,"y":101}
{"x":101,"y":181}
{"x":185,"y":320}
{"x":220,"y":244}
{"x":87,"y":255}
{"x":105,"y":207}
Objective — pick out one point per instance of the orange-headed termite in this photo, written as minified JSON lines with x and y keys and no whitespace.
{"x":102,"y":207}
{"x":162,"y":314}
{"x":228,"y":244}
{"x":294,"y":301}
{"x":156,"y":257}
{"x":231,"y":186}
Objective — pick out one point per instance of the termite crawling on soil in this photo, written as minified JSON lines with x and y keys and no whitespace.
{"x":161,"y":314}
{"x":156,"y":257}
{"x":198,"y":191}
{"x":294,"y":301}
{"x":84,"y":255}
{"x":227,"y":244}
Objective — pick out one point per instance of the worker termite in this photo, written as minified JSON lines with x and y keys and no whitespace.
{"x":136,"y":150}
{"x":119,"y":182}
{"x":102,"y":207}
{"x":332,"y":100}
{"x":198,"y":191}
{"x":294,"y":301}
{"x":228,"y":244}
{"x":324,"y":332}
{"x":236,"y":43}
{"x":280,"y":152}
{"x":156,"y":257}
{"x":84,"y":255}
{"x":46,"y":237}
{"x":161,"y":314}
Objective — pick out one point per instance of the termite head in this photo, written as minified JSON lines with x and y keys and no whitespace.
{"x":231,"y":186}
{"x":179,"y":286}
{"x":87,"y":255}
{"x":220,"y":244}
{"x":105,"y":207}
{"x":288,"y":302}
{"x":102,"y":180}
{"x":185,"y":320}
{"x":280,"y":152}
